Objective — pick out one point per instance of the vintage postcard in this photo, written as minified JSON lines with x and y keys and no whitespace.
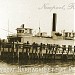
{"x":37,"y":37}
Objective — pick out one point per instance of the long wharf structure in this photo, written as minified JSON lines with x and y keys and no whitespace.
{"x":24,"y":52}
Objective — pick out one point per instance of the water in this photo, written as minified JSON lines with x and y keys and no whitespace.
{"x":39,"y":67}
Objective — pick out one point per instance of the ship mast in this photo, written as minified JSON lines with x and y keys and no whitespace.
{"x":39,"y":28}
{"x":8,"y":27}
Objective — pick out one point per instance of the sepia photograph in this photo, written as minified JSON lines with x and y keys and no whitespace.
{"x":37,"y":37}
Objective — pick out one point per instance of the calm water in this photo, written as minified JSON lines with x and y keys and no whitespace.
{"x":39,"y":67}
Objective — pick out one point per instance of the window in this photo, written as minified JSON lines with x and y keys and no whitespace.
{"x":66,"y":34}
{"x":19,"y":39}
{"x":69,"y":34}
{"x":22,"y":31}
{"x":30,"y":31}
{"x":17,"y":31}
{"x":73,"y":34}
{"x":26,"y":31}
{"x":41,"y":34}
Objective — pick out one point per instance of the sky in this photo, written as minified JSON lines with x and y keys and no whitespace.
{"x":35,"y":13}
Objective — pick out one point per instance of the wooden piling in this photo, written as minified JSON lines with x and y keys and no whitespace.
{"x":50,"y":52}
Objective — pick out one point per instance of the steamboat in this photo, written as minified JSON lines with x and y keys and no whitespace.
{"x":25,"y":46}
{"x":25,"y":34}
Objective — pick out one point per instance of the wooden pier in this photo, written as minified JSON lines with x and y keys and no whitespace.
{"x":18,"y":52}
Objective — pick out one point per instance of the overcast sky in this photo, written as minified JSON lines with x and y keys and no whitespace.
{"x":35,"y":13}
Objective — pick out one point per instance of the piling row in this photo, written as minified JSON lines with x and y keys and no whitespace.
{"x":19,"y":52}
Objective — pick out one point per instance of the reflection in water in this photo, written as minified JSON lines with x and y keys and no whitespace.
{"x":38,"y":67}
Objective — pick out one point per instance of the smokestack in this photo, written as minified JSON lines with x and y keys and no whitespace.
{"x":22,"y":25}
{"x":54,"y":22}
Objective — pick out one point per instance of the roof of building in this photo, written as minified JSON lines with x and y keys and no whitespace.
{"x":24,"y":28}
